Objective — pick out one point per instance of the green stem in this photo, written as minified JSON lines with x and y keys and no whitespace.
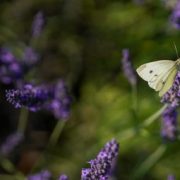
{"x":149,"y":162}
{"x":56,"y":133}
{"x":134,"y":98}
{"x":153,"y":117}
{"x":23,"y":118}
{"x":52,"y":142}
{"x":10,"y":168}
{"x":129,"y":133}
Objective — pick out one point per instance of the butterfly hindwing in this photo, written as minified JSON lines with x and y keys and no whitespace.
{"x":168,"y":82}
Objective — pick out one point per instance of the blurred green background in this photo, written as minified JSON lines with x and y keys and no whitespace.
{"x":82,"y":43}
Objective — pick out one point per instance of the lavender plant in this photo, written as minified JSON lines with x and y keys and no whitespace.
{"x":53,"y":98}
{"x":175,"y":16}
{"x":169,"y":123}
{"x":127,"y":67}
{"x":172,"y":97}
{"x":38,"y":24}
{"x":101,"y":166}
{"x":42,"y":175}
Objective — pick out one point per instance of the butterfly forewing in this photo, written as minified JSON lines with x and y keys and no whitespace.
{"x":151,"y":71}
{"x":159,"y":74}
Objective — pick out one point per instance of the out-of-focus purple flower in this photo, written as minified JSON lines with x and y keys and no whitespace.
{"x":175,"y":16}
{"x":43,"y":175}
{"x":60,"y":104}
{"x":54,"y":98}
{"x":127,"y":67}
{"x":169,"y":123}
{"x":172,"y":96}
{"x":10,"y":68}
{"x":63,"y":177}
{"x":30,"y":57}
{"x":10,"y":143}
{"x":101,"y":166}
{"x":13,"y":69}
{"x":38,"y":24}
{"x":171,"y":177}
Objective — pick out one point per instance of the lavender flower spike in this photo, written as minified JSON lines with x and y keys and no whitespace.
{"x":43,"y":175}
{"x":171,"y":177}
{"x":169,"y":123}
{"x":101,"y":166}
{"x":127,"y":67}
{"x":175,"y":16}
{"x":38,"y":24}
{"x":63,"y":177}
{"x":53,"y":98}
{"x":10,"y":143}
{"x":172,"y":96}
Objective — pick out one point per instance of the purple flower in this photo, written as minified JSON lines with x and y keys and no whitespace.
{"x":43,"y":175}
{"x":10,"y":67}
{"x":175,"y":16}
{"x":13,"y":69}
{"x":101,"y":166}
{"x":172,"y":96}
{"x":10,"y":143}
{"x":63,"y":177}
{"x":171,"y":177}
{"x":60,"y":104}
{"x":30,"y":57}
{"x":127,"y":67}
{"x":38,"y":24}
{"x":169,"y":123}
{"x":53,"y":98}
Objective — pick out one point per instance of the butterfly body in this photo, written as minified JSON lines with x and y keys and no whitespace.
{"x":160,"y":74}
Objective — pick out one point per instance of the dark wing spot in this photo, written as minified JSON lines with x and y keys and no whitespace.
{"x":163,"y":82}
{"x":155,"y":75}
{"x":151,"y":71}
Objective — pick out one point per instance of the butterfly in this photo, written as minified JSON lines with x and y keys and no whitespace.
{"x":160,"y":74}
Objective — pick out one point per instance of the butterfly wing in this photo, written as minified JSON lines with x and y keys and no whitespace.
{"x":156,"y":73}
{"x":168,"y":81}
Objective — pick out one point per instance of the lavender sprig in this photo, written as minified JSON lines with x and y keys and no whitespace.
{"x":13,"y":69}
{"x":63,"y":177}
{"x":43,"y":175}
{"x":172,"y":96}
{"x":175,"y":16}
{"x":101,"y":166}
{"x":53,"y":98}
{"x":169,"y":123}
{"x":38,"y":24}
{"x":127,"y":67}
{"x":171,"y":177}
{"x":10,"y":143}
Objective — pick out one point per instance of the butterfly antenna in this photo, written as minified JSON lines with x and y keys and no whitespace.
{"x":175,"y":47}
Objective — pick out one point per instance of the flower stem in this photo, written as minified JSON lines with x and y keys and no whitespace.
{"x":149,"y":162}
{"x":153,"y":117}
{"x":52,"y":142}
{"x":23,"y":117}
{"x":134,"y":98}
{"x":129,"y":133}
{"x":56,"y":133}
{"x":10,"y":168}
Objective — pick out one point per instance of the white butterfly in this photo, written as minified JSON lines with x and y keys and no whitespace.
{"x":160,"y":75}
